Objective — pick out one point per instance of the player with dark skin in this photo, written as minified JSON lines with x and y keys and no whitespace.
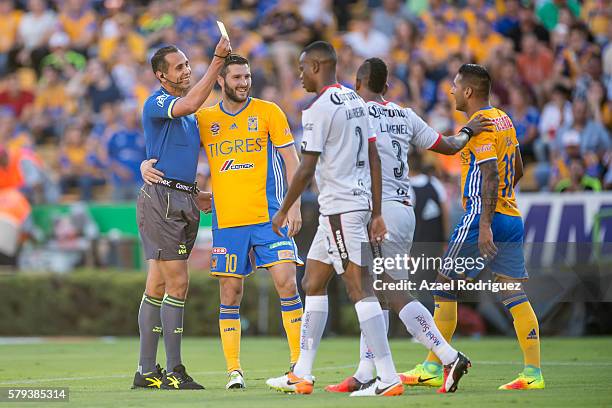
{"x":318,"y":70}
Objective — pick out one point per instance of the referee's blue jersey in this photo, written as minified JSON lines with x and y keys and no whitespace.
{"x":174,"y":142}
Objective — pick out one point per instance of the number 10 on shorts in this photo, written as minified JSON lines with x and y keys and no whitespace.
{"x":231,"y":260}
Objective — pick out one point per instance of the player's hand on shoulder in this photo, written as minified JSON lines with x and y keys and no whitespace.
{"x":204,"y":201}
{"x":479,"y":124}
{"x":294,"y":220}
{"x":278,"y":221}
{"x":149,"y":173}
{"x":378,"y":229}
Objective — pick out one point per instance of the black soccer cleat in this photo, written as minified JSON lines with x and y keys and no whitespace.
{"x":178,"y":379}
{"x":453,"y":373}
{"x":150,"y":380}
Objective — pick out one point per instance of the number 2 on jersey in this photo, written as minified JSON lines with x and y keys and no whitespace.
{"x":359,"y":134}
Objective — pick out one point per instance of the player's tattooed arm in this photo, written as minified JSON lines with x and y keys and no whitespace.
{"x":301,"y":178}
{"x":378,"y":229}
{"x":518,"y":167}
{"x":488,"y":195}
{"x":450,"y":145}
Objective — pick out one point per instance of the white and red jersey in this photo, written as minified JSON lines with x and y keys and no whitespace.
{"x":396,"y":128}
{"x":336,"y":125}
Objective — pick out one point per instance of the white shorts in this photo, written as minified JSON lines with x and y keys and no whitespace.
{"x":340,"y":239}
{"x":400,"y":221}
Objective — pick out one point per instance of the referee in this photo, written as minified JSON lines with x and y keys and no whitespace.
{"x":168,"y":217}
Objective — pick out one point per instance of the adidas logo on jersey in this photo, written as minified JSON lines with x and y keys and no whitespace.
{"x":532,"y":335}
{"x":234,"y":126}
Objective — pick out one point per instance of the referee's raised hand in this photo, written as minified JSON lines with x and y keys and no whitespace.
{"x":223,"y":48}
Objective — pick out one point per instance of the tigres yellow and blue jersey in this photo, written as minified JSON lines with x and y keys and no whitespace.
{"x":500,"y":145}
{"x":245,"y":165}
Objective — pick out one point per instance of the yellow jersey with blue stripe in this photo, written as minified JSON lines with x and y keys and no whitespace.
{"x":500,"y":145}
{"x":245,"y":165}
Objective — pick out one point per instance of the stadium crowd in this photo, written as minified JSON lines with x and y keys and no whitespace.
{"x":75,"y":74}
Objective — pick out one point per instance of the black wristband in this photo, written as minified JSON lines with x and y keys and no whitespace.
{"x":218,"y":56}
{"x":468,"y":131}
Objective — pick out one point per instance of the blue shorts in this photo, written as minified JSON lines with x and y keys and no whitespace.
{"x":463,"y":259}
{"x":232,"y":247}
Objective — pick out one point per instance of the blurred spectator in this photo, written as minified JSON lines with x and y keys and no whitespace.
{"x":422,"y":90}
{"x":9,"y":24}
{"x":594,"y":139}
{"x":62,"y":57}
{"x":319,"y":16}
{"x":79,"y":22}
{"x":483,"y":41}
{"x":525,"y":118}
{"x":52,"y":105}
{"x":528,"y":23}
{"x":101,"y":87}
{"x":119,"y":29}
{"x":475,"y":11}
{"x":79,"y":167}
{"x":126,"y":150}
{"x":440,"y":43}
{"x":577,"y":53}
{"x":15,"y":98}
{"x":534,"y":62}
{"x":548,"y":11}
{"x":35,"y":29}
{"x":385,"y":19}
{"x":365,"y":40}
{"x":508,"y":21}
{"x":555,"y":112}
{"x":577,"y":180}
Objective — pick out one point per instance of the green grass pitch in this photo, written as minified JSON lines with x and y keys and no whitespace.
{"x":578,"y":373}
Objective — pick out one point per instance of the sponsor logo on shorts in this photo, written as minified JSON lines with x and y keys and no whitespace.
{"x":297,"y":319}
{"x":213,"y":262}
{"x":219,"y":250}
{"x":182,"y":249}
{"x":286,"y":254}
{"x":532,"y":335}
{"x":340,"y":244}
{"x":229,"y":165}
{"x":252,"y":124}
{"x":229,"y":329}
{"x":484,"y":148}
{"x":279,"y":243}
{"x":214,"y":128}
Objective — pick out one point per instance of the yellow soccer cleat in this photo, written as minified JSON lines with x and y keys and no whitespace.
{"x":525,"y":382}
{"x":430,"y":376}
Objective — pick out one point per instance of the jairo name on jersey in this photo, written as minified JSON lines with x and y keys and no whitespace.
{"x":340,"y":98}
{"x":378,"y":111}
{"x":248,"y":145}
{"x":355,"y":113}
{"x":400,"y":129}
{"x":229,"y":165}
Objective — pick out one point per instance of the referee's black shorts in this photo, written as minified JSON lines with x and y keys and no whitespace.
{"x":168,"y":222}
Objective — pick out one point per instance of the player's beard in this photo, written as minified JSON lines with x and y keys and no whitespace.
{"x":232,"y":95}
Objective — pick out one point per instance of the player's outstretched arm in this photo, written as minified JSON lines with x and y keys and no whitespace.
{"x":450,"y":145}
{"x":378,"y":229}
{"x":197,"y":95}
{"x":301,"y":178}
{"x":490,"y":187}
{"x":294,"y":216}
{"x":518,"y":167}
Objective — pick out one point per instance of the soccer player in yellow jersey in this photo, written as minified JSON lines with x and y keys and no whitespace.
{"x":491,"y":228}
{"x":250,"y":151}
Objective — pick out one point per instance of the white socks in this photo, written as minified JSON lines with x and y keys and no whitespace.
{"x":313,"y":325}
{"x":420,"y":324}
{"x":366,"y":369}
{"x":373,"y":327}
